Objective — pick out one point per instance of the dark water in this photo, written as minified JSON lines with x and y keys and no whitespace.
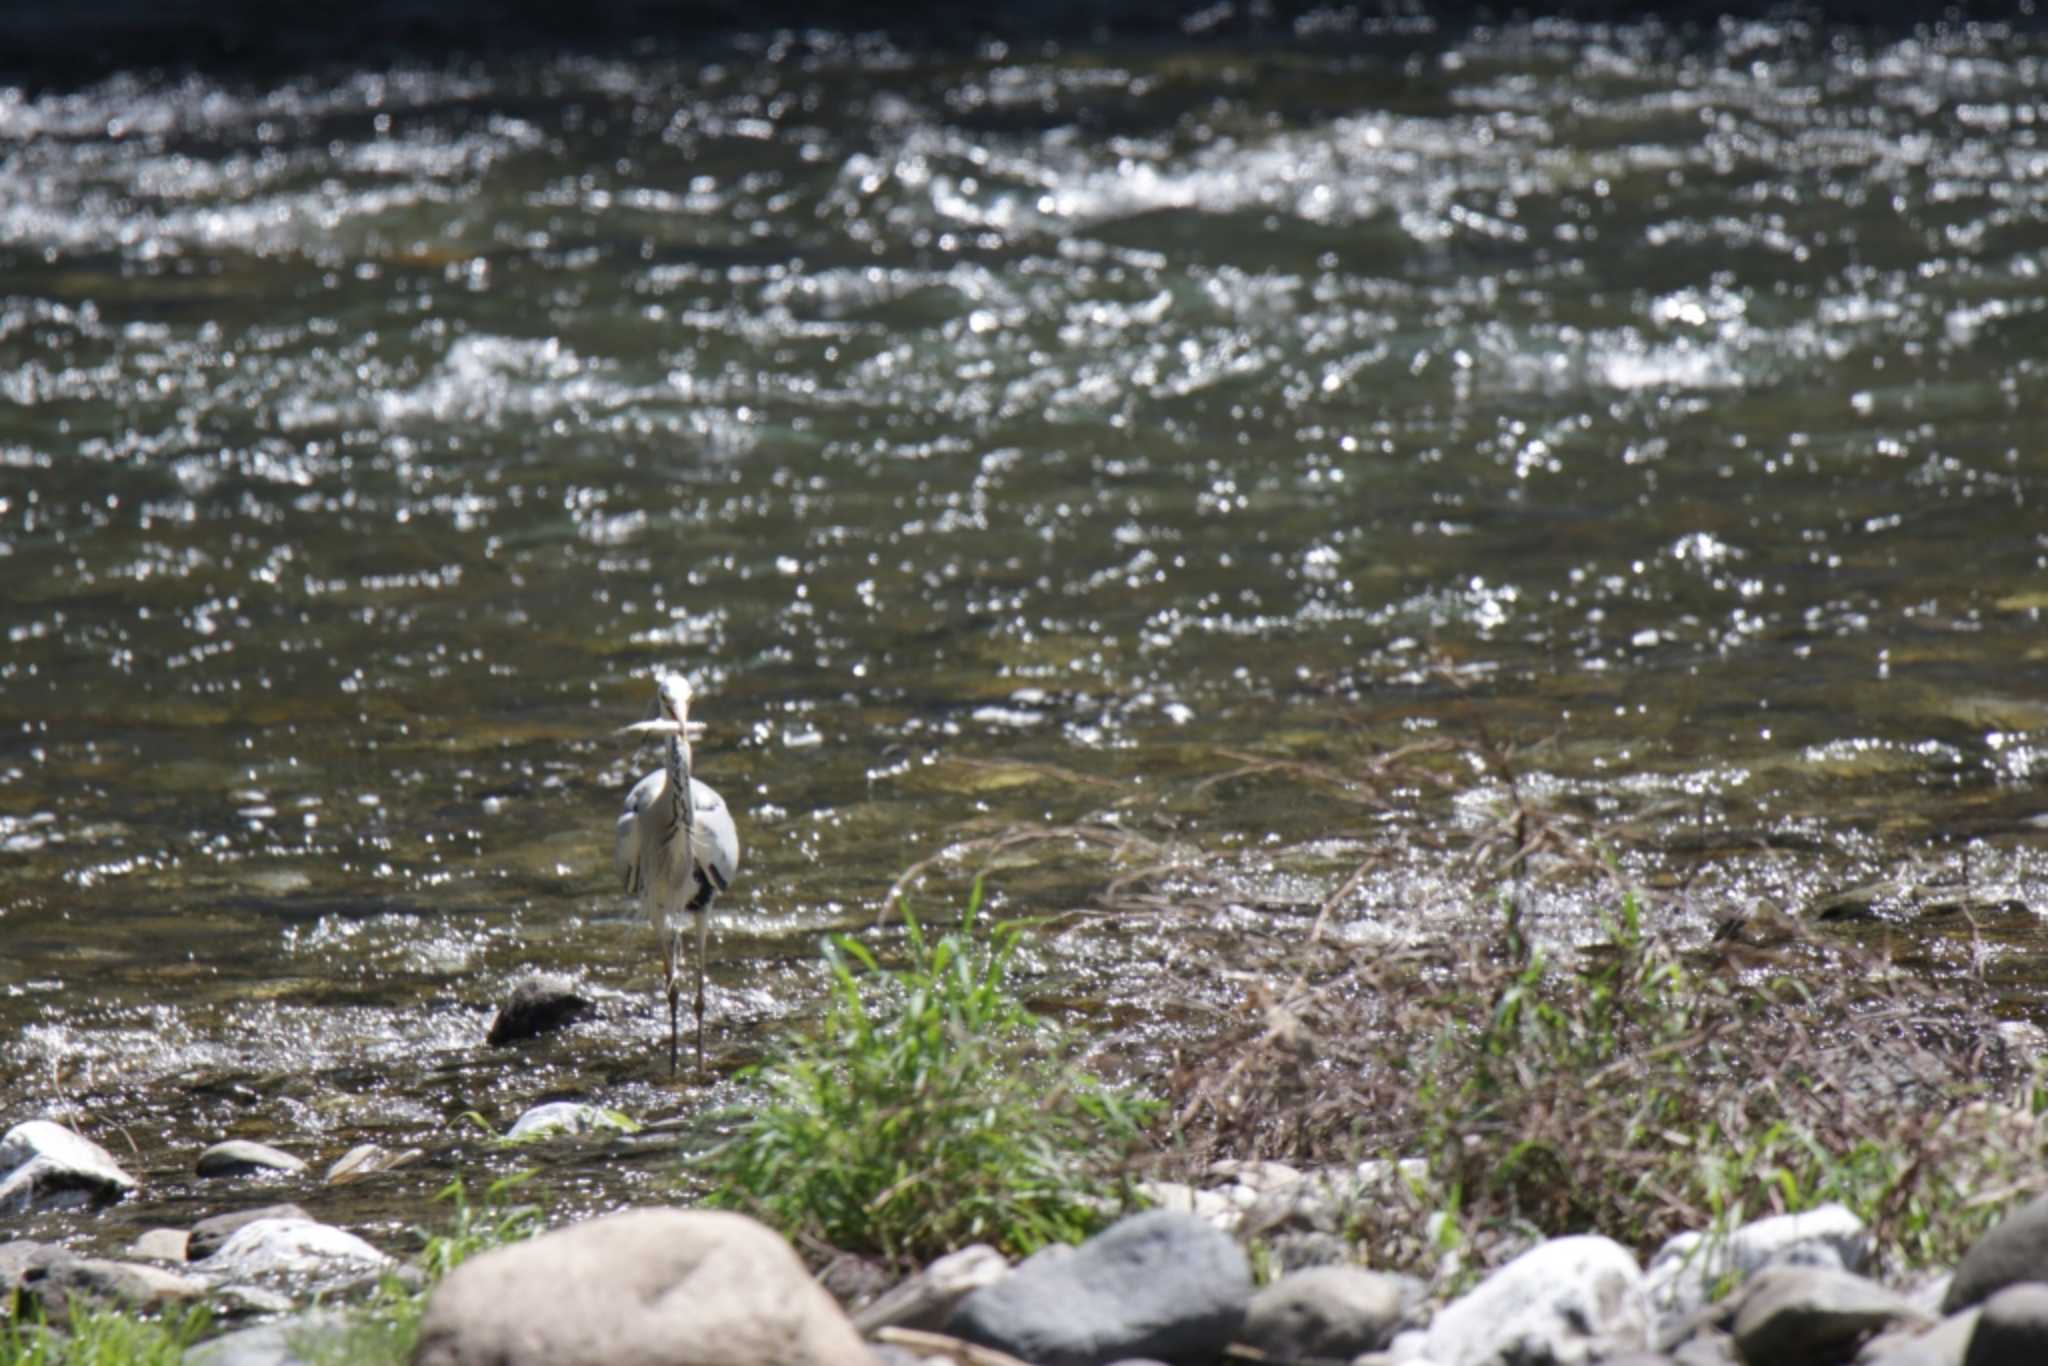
{"x":1022,"y":451}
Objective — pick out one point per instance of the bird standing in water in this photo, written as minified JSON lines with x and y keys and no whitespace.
{"x":677,"y":846}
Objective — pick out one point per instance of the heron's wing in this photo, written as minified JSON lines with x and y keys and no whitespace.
{"x":716,"y":841}
{"x":626,"y":856}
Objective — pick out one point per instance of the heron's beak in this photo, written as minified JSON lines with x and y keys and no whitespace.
{"x":689,"y":730}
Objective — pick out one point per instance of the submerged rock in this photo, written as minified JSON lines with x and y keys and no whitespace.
{"x":1161,"y":1283}
{"x":682,"y":1287}
{"x":1568,"y":1300}
{"x":567,"y":1117}
{"x":367,"y":1159}
{"x":241,"y":1157}
{"x":540,"y":1003}
{"x":47,"y":1166}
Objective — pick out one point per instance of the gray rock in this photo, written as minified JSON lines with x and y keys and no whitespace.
{"x":540,"y":1003}
{"x":47,"y":1166}
{"x":678,"y":1287}
{"x":2013,"y":1329}
{"x":1565,"y":1301}
{"x":2014,"y":1249}
{"x":1796,"y":1315}
{"x":367,"y":1159}
{"x":208,"y":1234}
{"x":1159,"y":1283}
{"x":65,"y":1281}
{"x":286,"y":1342}
{"x":1917,"y":1345}
{"x":160,"y":1245}
{"x":1686,"y":1270}
{"x":1329,"y":1311}
{"x":1710,"y":1348}
{"x":567,"y":1117}
{"x":927,"y":1299}
{"x":295,"y":1250}
{"x":241,"y":1157}
{"x":21,"y":1257}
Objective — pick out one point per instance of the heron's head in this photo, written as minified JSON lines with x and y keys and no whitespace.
{"x":675,"y":698}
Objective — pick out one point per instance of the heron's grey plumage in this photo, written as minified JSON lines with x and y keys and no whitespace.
{"x":676,"y":847}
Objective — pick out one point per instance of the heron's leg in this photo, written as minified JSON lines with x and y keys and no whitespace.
{"x":675,"y":989}
{"x":703,"y":948}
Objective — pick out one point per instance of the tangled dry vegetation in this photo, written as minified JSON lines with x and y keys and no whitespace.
{"x":1635,"y":1089}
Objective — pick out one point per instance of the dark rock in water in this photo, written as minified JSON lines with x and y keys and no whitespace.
{"x":2013,"y":1329}
{"x":47,"y":1166}
{"x":648,"y":1285}
{"x":541,"y":1003}
{"x":240,"y":1157}
{"x":1162,"y":1284}
{"x":2013,"y":1250}
{"x":208,"y":1234}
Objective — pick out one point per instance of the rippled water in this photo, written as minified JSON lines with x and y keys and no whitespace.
{"x":1027,"y":447}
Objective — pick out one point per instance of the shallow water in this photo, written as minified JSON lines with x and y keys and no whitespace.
{"x":1023,"y":451}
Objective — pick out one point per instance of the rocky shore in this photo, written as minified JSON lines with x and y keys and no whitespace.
{"x":1173,"y":1283}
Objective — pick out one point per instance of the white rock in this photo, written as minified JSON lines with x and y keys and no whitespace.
{"x":299,"y":1248}
{"x":40,"y":1162}
{"x":1686,"y":1270}
{"x":567,"y":1117}
{"x":1565,"y":1301}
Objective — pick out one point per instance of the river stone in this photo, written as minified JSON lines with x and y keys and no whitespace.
{"x":928,"y":1298}
{"x":2014,"y":1249}
{"x":287,"y":1342}
{"x":367,"y":1159}
{"x":295,"y":1249}
{"x":2013,"y":1328}
{"x":209,"y":1233}
{"x":1915,"y":1345}
{"x":1564,"y":1301}
{"x":566,"y":1117}
{"x":1685,"y":1271}
{"x":242,"y":1157}
{"x":44,"y":1165}
{"x":1795,"y":1315}
{"x":540,"y":1003}
{"x":160,"y":1245}
{"x":65,"y":1281}
{"x":648,"y":1287}
{"x":1160,"y":1283}
{"x":1327,"y":1311}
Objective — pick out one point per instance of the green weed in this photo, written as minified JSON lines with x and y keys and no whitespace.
{"x":929,"y":1110}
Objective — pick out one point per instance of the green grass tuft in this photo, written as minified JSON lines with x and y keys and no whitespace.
{"x":930,"y":1110}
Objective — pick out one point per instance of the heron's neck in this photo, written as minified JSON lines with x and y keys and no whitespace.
{"x":680,"y":798}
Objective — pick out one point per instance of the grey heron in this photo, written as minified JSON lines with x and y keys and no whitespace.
{"x":677,"y":847}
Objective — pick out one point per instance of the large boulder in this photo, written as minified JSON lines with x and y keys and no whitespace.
{"x":1159,"y":1284}
{"x":1795,"y":1315}
{"x":1565,"y":1301}
{"x":649,"y":1287}
{"x":2013,"y":1250}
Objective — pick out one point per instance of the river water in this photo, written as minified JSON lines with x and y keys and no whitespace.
{"x":1171,"y":479}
